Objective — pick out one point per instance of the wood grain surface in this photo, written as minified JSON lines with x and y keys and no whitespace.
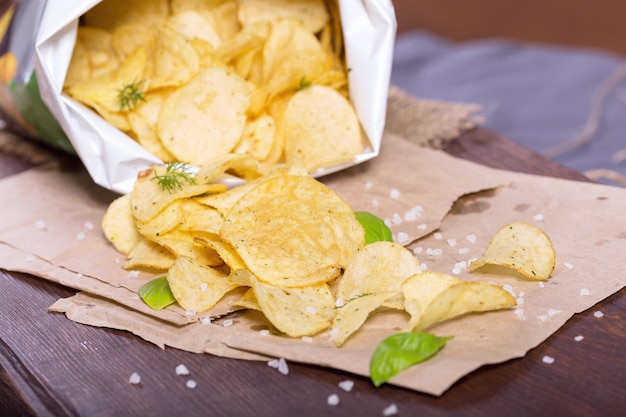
{"x":51,"y":366}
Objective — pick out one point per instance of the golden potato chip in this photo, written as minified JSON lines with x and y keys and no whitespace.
{"x":167,"y":220}
{"x":225,"y":18}
{"x":118,"y":225}
{"x":149,"y":197}
{"x":241,"y":165}
{"x":432,"y":298}
{"x":109,"y":14}
{"x":182,"y":243}
{"x":142,"y":122}
{"x":321,"y":127}
{"x":79,"y":68}
{"x":226,"y":252}
{"x":198,"y":217}
{"x":175,"y":61}
{"x":310,"y":13}
{"x":148,"y":254}
{"x":97,"y":46}
{"x":301,"y":311}
{"x":249,"y":39}
{"x":192,"y":24}
{"x":257,"y":138}
{"x":379,"y":267}
{"x":522,"y":247}
{"x":206,"y":117}
{"x":351,"y":316}
{"x":247,"y":301}
{"x":196,"y":286}
{"x":293,"y":231}
{"x":128,"y":37}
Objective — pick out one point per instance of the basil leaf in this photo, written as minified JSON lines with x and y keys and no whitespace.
{"x":157,"y":293}
{"x":375,"y":227}
{"x":401,"y":351}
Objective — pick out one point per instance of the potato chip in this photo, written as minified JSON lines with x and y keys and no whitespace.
{"x":226,"y":252}
{"x":192,"y":25}
{"x":118,"y":225}
{"x":321,"y":128}
{"x":148,"y":254}
{"x":249,"y":39}
{"x":310,"y":13}
{"x":97,"y":46}
{"x":167,"y":220}
{"x":379,"y":267}
{"x":181,"y":243}
{"x":522,"y":247}
{"x":106,"y":14}
{"x":293,"y":231}
{"x":433,"y":297}
{"x":206,"y":117}
{"x":301,"y":311}
{"x":241,"y":165}
{"x":128,"y":37}
{"x":79,"y":68}
{"x":247,"y":301}
{"x":175,"y":61}
{"x":198,"y":217}
{"x":351,"y":316}
{"x":198,"y":287}
{"x":257,"y":138}
{"x":142,"y":124}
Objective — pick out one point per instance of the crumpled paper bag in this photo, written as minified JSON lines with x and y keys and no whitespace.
{"x":445,"y":209}
{"x":113,"y":159}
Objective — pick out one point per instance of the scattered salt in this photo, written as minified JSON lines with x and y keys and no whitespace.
{"x":396,"y":218}
{"x":463,"y":251}
{"x":519,"y":312}
{"x":264,"y":332}
{"x":368,"y":185}
{"x":579,"y":338}
{"x":88,"y":225}
{"x":346,"y":385}
{"x":548,"y":359}
{"x":310,"y":310}
{"x":227,"y":323}
{"x":438,"y":236}
{"x":280,"y":365}
{"x":333,"y":399}
{"x":543,"y":317}
{"x":507,"y":287}
{"x":410,"y":216}
{"x":134,"y":378}
{"x":190,"y":312}
{"x":374,"y":203}
{"x":339,"y":302}
{"x":40,"y":225}
{"x":471,"y":238}
{"x":553,"y":312}
{"x":205,"y":320}
{"x":423,"y":267}
{"x":79,"y":275}
{"x":307,"y":339}
{"x":394,"y":193}
{"x":541,"y":285}
{"x":598,"y":314}
{"x":434,"y":252}
{"x":417,"y":250}
{"x":538,"y":217}
{"x":451,"y":242}
{"x":191,"y":384}
{"x":568,"y":265}
{"x":456,"y":271}
{"x":204,"y":286}
{"x":132,"y":274}
{"x":422,"y":226}
{"x":80,"y":236}
{"x":584,"y":292}
{"x":182,"y":370}
{"x":402,"y":237}
{"x":390,"y":410}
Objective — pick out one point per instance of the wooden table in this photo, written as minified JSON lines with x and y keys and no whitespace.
{"x":52,"y":366}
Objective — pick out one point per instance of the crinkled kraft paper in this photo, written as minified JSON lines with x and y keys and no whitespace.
{"x":443,"y":208}
{"x":113,"y":159}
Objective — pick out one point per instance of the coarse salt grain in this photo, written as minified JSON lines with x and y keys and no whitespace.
{"x":410,"y":216}
{"x":133,"y":274}
{"x":538,"y":217}
{"x":80,"y":236}
{"x":78,"y":275}
{"x":553,"y":312}
{"x":190,"y":312}
{"x":264,"y":332}
{"x":548,"y":359}
{"x":204,"y":286}
{"x":438,"y":236}
{"x":310,"y":310}
{"x":598,"y":314}
{"x":88,"y":225}
{"x":422,"y":226}
{"x":579,"y":338}
{"x":182,"y":370}
{"x":403,"y":237}
{"x":463,"y":251}
{"x":451,"y":242}
{"x":394,"y":193}
{"x":339,"y":302}
{"x":307,"y":339}
{"x":205,"y":320}
{"x":396,"y":219}
{"x":333,"y":399}
{"x":374,"y":203}
{"x":279,"y":364}
{"x":519,"y":312}
{"x":390,"y":410}
{"x":434,"y":252}
{"x":584,"y":292}
{"x":541,"y":285}
{"x":227,"y":323}
{"x":568,"y":265}
{"x":368,"y":185}
{"x":40,"y":225}
{"x":423,"y":267}
{"x":134,"y":378}
{"x":417,"y":250}
{"x":191,"y":384}
{"x":346,"y":385}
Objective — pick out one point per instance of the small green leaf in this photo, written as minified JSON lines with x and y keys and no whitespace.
{"x":401,"y":351}
{"x":375,"y":227}
{"x":157,"y":293}
{"x":175,"y":174}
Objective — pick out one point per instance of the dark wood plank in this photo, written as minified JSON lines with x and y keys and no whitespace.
{"x":52,"y":366}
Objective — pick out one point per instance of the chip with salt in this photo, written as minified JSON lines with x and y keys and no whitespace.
{"x":522,"y":247}
{"x":432,"y":297}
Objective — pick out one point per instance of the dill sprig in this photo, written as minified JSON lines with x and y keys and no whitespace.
{"x":176,"y":173}
{"x":130,"y":95}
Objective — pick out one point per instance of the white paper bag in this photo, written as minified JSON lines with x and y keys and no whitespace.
{"x":113,"y":159}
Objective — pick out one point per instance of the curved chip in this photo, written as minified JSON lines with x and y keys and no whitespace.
{"x":118,"y":225}
{"x":522,"y":247}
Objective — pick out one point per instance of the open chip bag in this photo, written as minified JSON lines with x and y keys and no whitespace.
{"x":125,"y":81}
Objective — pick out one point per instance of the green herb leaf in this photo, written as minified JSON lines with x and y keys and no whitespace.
{"x":401,"y":351}
{"x":303,"y":84}
{"x":175,"y":174}
{"x":157,"y":293}
{"x":375,"y":227}
{"x":130,"y":95}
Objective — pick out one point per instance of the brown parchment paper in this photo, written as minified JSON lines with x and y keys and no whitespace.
{"x":445,"y":209}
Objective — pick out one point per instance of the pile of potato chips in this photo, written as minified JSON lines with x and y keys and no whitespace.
{"x":195,"y":79}
{"x":292,"y":249}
